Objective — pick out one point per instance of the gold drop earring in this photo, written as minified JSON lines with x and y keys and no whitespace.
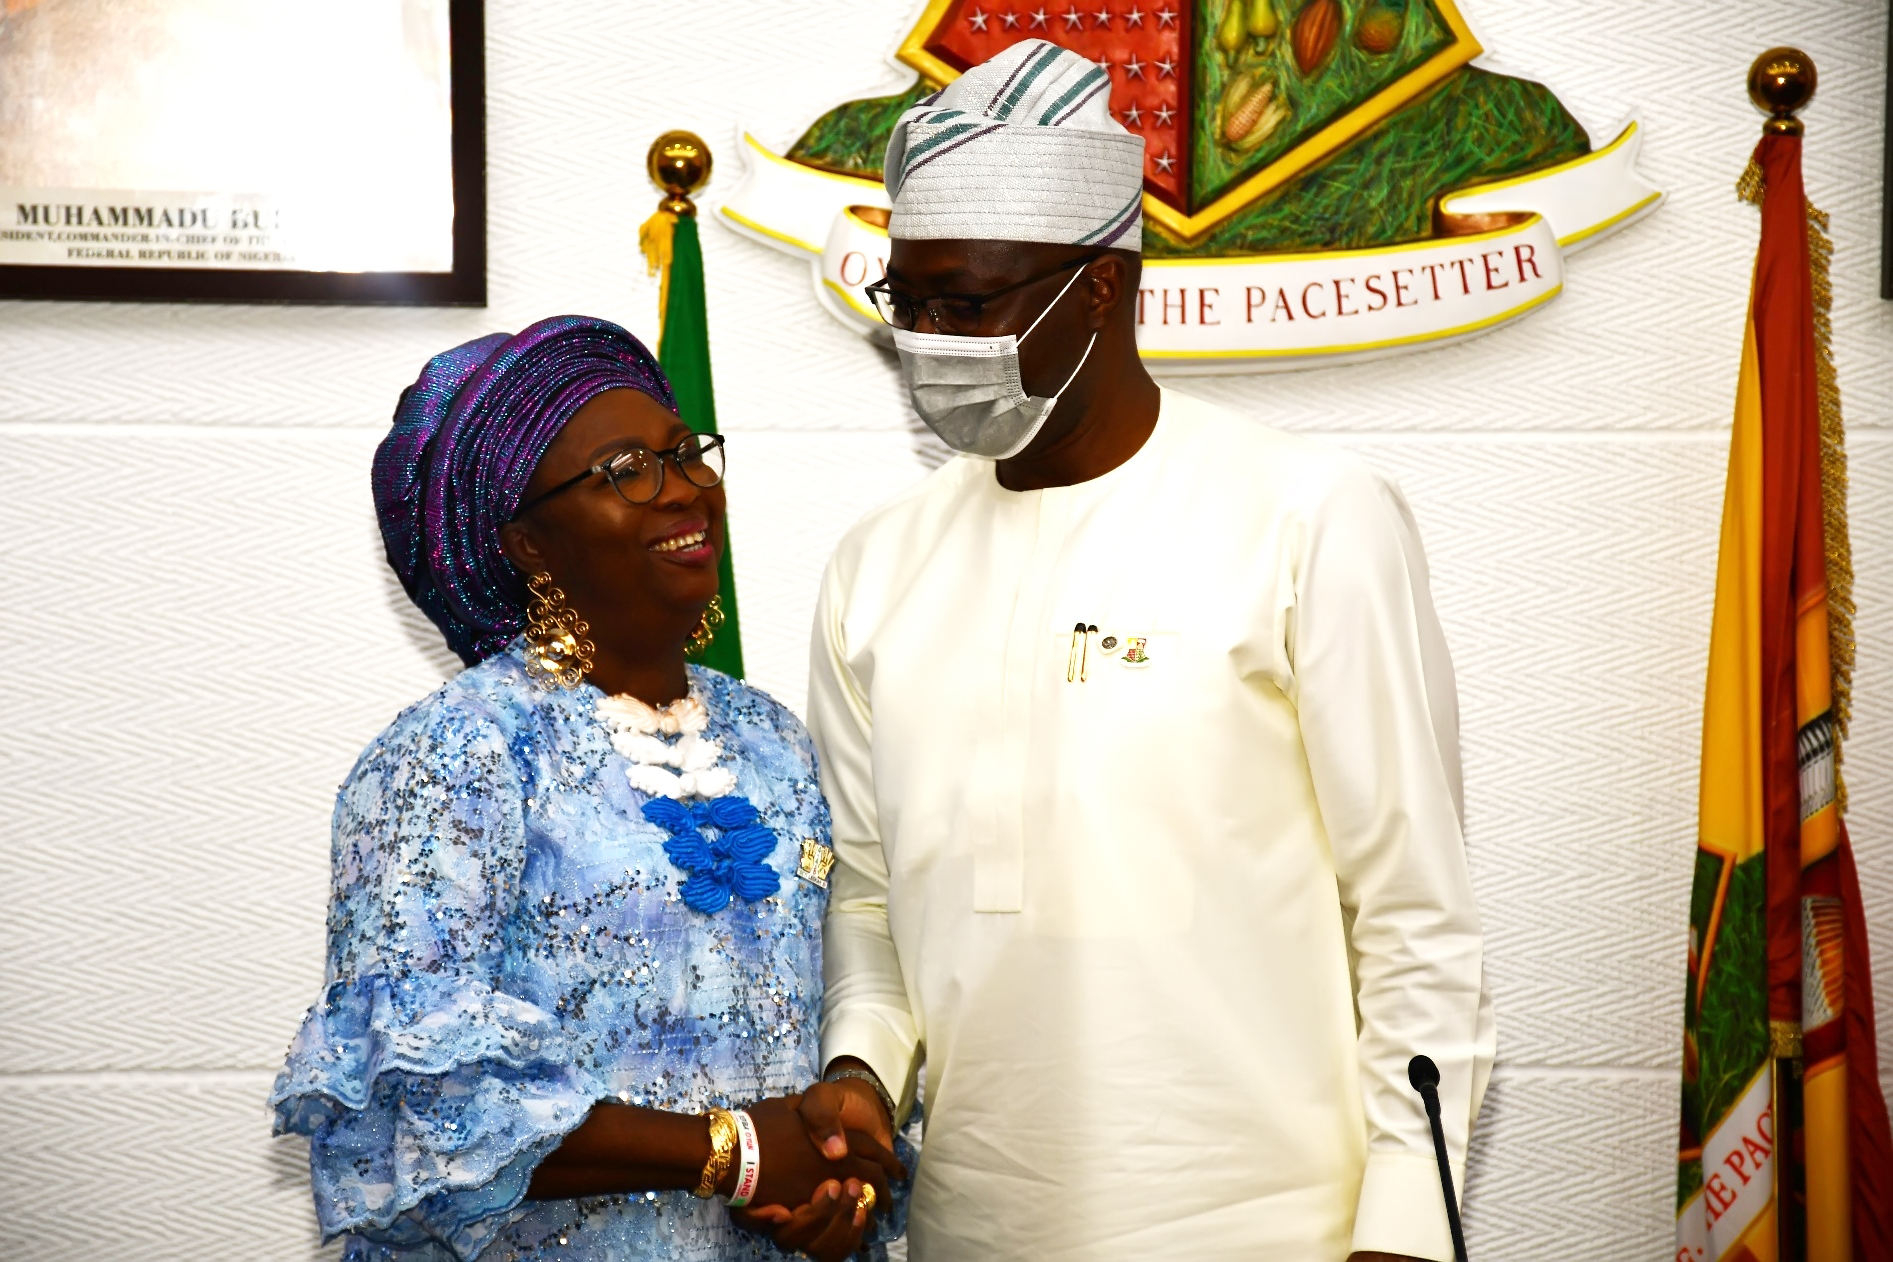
{"x":558,"y":654}
{"x":699,"y":642}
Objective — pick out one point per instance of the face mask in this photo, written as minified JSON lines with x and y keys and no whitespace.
{"x":967,"y":389}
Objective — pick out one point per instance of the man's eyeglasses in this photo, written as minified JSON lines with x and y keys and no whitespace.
{"x":637,"y":472}
{"x":950,"y":313}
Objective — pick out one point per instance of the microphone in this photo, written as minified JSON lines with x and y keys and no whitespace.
{"x":1424,"y":1075}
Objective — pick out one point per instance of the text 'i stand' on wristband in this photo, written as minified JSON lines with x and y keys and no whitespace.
{"x":749,"y":1161}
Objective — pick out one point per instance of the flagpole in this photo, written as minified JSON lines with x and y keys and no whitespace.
{"x":679,"y":163}
{"x":1780,"y":83}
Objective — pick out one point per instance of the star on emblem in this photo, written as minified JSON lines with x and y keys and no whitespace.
{"x":1166,"y":163}
{"x":1132,"y":66}
{"x":1010,"y":19}
{"x":1103,"y":16}
{"x":976,"y":20}
{"x":1074,"y":20}
{"x":1040,"y":18}
{"x":1167,"y":68}
{"x":1134,"y":116}
{"x":1166,"y":17}
{"x":1164,"y":115}
{"x":1135,"y":17}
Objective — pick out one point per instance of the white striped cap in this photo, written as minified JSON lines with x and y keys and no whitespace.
{"x":1020,"y":148}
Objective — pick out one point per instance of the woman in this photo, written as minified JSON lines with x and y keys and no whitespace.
{"x":578,"y":891}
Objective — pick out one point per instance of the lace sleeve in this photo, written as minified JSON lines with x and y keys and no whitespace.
{"x":428,"y":1092}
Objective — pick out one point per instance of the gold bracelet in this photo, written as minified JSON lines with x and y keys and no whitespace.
{"x":723,"y":1136}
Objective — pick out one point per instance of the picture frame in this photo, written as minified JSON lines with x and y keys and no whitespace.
{"x":1886,"y":175}
{"x":422,"y":244}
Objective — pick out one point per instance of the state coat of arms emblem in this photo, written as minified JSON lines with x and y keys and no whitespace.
{"x":1324,"y":180}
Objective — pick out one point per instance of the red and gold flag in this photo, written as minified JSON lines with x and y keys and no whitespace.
{"x":1785,"y":1152}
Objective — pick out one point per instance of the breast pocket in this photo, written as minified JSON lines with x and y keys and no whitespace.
{"x":1125,"y":686}
{"x":1108,"y":857}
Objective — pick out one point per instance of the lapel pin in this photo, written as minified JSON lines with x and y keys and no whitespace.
{"x":816,"y":860}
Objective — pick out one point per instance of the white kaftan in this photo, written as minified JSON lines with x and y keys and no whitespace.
{"x":1165,"y":934}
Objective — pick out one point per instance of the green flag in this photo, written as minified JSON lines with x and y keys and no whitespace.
{"x":683,"y":348}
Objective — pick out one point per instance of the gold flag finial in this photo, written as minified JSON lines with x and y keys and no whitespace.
{"x":679,"y":163}
{"x":1781,"y":83}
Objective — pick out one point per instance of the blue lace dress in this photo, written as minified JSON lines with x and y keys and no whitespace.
{"x":510,"y":942}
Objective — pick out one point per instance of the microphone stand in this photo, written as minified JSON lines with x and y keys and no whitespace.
{"x":1424,"y":1075}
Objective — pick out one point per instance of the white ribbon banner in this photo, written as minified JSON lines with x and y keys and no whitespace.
{"x":1265,"y":312}
{"x":1736,"y":1199}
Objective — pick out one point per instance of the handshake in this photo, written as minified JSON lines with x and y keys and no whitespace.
{"x":810,"y":1171}
{"x":829,"y":1153}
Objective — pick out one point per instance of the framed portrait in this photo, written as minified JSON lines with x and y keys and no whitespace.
{"x":243,"y":151}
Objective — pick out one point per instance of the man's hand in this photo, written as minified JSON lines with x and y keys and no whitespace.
{"x":829,"y":1228}
{"x":831,"y":1109}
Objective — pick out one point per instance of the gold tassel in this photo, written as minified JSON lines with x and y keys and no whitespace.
{"x":1837,"y":541}
{"x":1835,"y":534}
{"x":1749,"y":187}
{"x":654,"y":238}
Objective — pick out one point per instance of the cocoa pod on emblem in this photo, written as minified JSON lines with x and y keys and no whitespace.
{"x":1317,"y":27}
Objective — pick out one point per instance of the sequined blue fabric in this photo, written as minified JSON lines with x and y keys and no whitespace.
{"x":508,"y":944}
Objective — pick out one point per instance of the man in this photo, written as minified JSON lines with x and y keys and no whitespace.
{"x":1141,"y":743}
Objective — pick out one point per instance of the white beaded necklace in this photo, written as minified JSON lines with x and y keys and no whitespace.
{"x":637,"y":732}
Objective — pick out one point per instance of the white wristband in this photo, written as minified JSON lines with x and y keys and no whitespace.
{"x":749,"y":1161}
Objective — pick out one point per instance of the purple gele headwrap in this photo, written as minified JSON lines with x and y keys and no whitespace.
{"x":467,"y":436}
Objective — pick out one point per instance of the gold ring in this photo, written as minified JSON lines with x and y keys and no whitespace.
{"x":867,"y":1198}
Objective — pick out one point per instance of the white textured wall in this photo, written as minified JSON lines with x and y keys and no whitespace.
{"x":200,"y":634}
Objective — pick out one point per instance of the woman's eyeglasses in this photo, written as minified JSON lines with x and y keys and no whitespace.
{"x":637,"y":472}
{"x":951,"y":313}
